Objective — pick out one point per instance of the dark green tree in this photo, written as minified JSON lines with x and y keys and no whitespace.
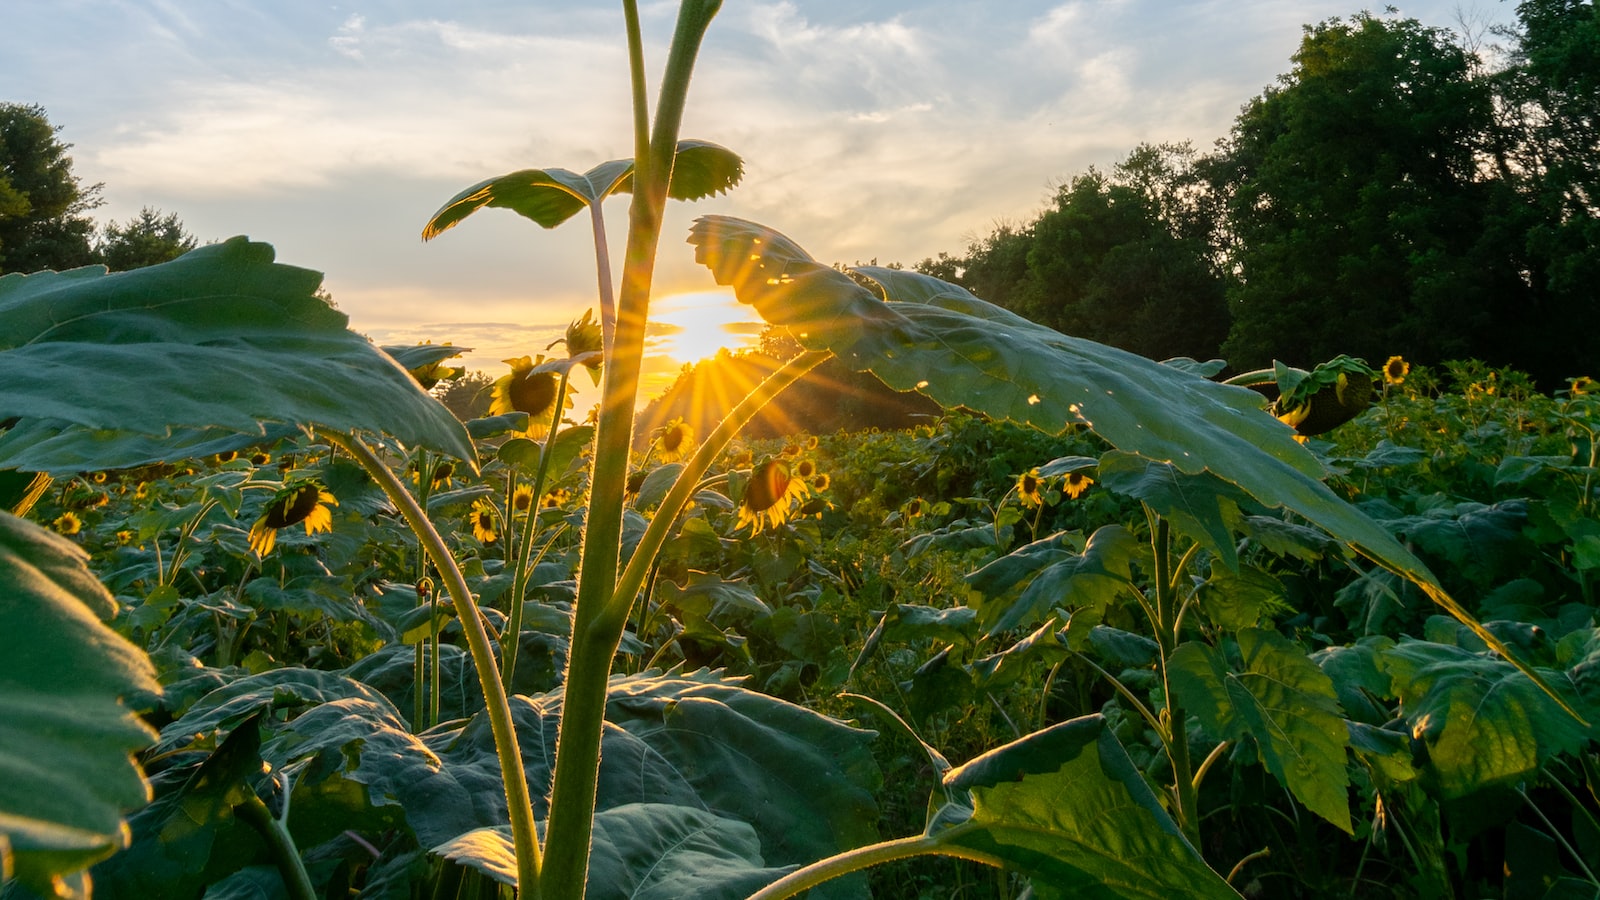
{"x":1360,"y":218}
{"x":144,"y":240}
{"x":42,"y":203}
{"x":1547,"y":150}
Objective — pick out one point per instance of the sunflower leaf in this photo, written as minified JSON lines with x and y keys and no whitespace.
{"x":1066,"y":807}
{"x":941,"y":340}
{"x":220,"y":340}
{"x":65,"y":771}
{"x":552,"y":196}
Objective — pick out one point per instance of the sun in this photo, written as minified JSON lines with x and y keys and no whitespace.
{"x":691,"y":327}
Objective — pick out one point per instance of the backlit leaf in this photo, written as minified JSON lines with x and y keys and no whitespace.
{"x":1066,"y":807}
{"x":1280,"y":698}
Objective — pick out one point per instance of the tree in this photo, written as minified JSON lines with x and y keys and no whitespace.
{"x":42,"y":203}
{"x":1362,"y":221}
{"x":144,"y":240}
{"x":1547,"y":151}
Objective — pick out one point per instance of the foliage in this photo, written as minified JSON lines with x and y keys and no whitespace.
{"x":42,"y":203}
{"x":144,"y":240}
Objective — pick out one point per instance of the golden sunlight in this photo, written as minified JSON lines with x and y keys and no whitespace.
{"x":691,"y":327}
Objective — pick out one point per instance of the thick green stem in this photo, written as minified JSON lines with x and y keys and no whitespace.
{"x":496,"y":705}
{"x":595,"y":635}
{"x":296,"y":880}
{"x":688,"y":481}
{"x":863,"y":857}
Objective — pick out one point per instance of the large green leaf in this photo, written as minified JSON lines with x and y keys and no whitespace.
{"x":66,"y":775}
{"x":220,"y":338}
{"x":1280,"y":698}
{"x":940,"y":339}
{"x":552,"y":196}
{"x":643,"y":851}
{"x":1066,"y":807}
{"x":1199,"y":506}
{"x":1084,"y":583}
{"x":60,"y":446}
{"x":1484,"y":722}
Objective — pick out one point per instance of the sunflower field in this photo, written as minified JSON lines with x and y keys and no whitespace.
{"x":1112,"y":628}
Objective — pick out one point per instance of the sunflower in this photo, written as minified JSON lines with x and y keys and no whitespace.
{"x":443,"y":472}
{"x":805,"y":468}
{"x":819,"y":481}
{"x":771,"y":495}
{"x":914,"y":508}
{"x":584,"y":336}
{"x":531,"y":389}
{"x":67,"y":523}
{"x":484,"y":519}
{"x":1076,"y":484}
{"x":1396,"y":370}
{"x":1583,"y":385}
{"x":302,"y":501}
{"x":674,"y":440}
{"x":1029,"y":487}
{"x":98,"y":478}
{"x":811,"y":442}
{"x":522,"y":498}
{"x":142,"y":491}
{"x":226,"y":456}
{"x":260,"y":458}
{"x":555,"y":499}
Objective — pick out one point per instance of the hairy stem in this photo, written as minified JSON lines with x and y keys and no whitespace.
{"x":496,"y":705}
{"x":863,"y":857}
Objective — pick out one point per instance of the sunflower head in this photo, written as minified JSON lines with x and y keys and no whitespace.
{"x":300,"y":502}
{"x":1582,"y":385}
{"x":674,"y":440}
{"x":226,"y":456}
{"x":485,"y":522}
{"x":819,"y":482}
{"x":771,"y":496}
{"x":67,"y":523}
{"x":530,"y":388}
{"x":914,"y":508}
{"x":555,"y":499}
{"x":1396,"y":370}
{"x":522,"y":498}
{"x":1029,"y":488}
{"x":805,"y":469}
{"x":260,"y":458}
{"x":585,"y":337}
{"x":1076,"y":484}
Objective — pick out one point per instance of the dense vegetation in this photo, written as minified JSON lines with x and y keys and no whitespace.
{"x":313,"y":636}
{"x":1394,"y":192}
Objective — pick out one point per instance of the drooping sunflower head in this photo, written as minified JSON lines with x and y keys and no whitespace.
{"x":1396,"y":370}
{"x":1076,"y":484}
{"x":585,"y":337}
{"x":771,"y":496}
{"x":530,"y":388}
{"x":674,"y":440}
{"x":485,"y":522}
{"x":1029,"y":488}
{"x":299,"y":502}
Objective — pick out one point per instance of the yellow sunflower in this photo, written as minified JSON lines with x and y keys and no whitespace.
{"x":260,"y":458}
{"x":302,"y":501}
{"x":1396,"y":370}
{"x":585,"y":336}
{"x":67,"y":523}
{"x":1029,"y":488}
{"x":484,"y":521}
{"x":914,"y":508}
{"x":528,"y":391}
{"x":555,"y":499}
{"x":226,"y":456}
{"x":522,"y":498}
{"x":805,"y":468}
{"x":771,"y":496}
{"x":674,"y":440}
{"x":1583,"y":385}
{"x":819,"y":481}
{"x":1076,"y":484}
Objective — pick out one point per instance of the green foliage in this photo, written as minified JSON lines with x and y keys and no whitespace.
{"x":42,"y":203}
{"x":144,"y":240}
{"x":1067,"y":807}
{"x":223,"y":308}
{"x":66,"y":776}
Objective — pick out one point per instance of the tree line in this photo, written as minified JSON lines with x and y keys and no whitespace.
{"x":44,"y":207}
{"x":1391,"y":194}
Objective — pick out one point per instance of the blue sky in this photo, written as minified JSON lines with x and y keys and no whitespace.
{"x":870,"y":129}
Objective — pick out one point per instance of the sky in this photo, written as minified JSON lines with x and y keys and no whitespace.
{"x":870,"y":129}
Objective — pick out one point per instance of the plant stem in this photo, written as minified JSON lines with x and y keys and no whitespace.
{"x":595,"y":632}
{"x":863,"y":857}
{"x":496,"y":705}
{"x":512,"y":639}
{"x":255,"y":813}
{"x":1175,"y":729}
